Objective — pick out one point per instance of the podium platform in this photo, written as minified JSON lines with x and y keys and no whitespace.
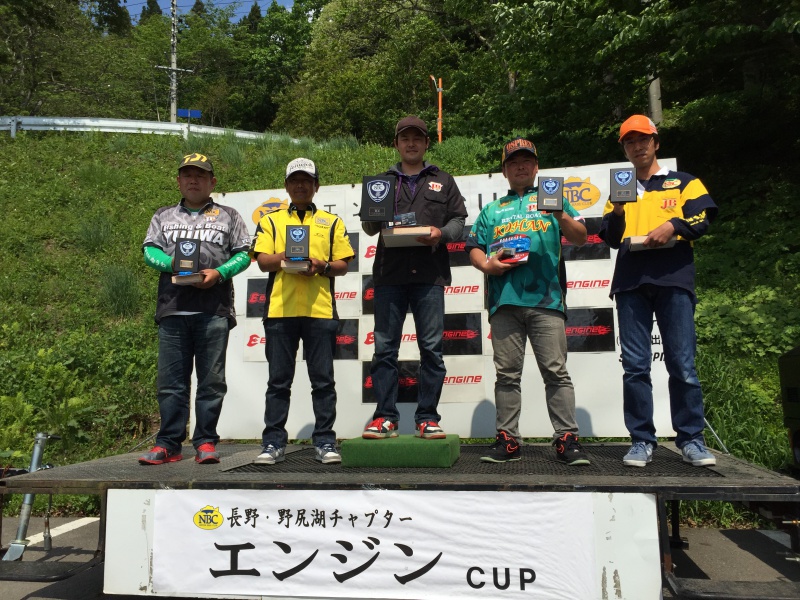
{"x":667,"y":480}
{"x":401,"y":451}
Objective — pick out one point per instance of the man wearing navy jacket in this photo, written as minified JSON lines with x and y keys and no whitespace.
{"x":672,"y":210}
{"x":413,"y":277}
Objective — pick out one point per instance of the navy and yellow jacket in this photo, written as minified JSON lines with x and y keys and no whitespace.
{"x":672,"y":196}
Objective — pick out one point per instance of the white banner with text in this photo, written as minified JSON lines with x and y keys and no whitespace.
{"x":403,"y":544}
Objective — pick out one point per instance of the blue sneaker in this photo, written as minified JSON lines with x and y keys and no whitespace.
{"x":639,"y":455}
{"x":696,"y":453}
{"x":327,"y":454}
{"x":270,"y":455}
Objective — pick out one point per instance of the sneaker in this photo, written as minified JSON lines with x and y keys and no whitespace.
{"x":696,"y":453}
{"x":430,"y":430}
{"x":270,"y":454}
{"x":639,"y":454}
{"x":380,"y":428}
{"x":569,"y":450}
{"x":504,"y":449}
{"x":327,"y":454}
{"x":160,"y":455}
{"x":207,"y":454}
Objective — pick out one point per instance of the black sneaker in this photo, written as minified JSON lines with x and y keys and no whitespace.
{"x":504,"y":449}
{"x":569,"y":450}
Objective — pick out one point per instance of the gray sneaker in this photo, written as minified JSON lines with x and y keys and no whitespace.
{"x":696,"y":453}
{"x":327,"y":454}
{"x":639,"y":454}
{"x":270,"y":454}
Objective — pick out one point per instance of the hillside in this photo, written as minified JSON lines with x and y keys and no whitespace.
{"x":78,"y":341}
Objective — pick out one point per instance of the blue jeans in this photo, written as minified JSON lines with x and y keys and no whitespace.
{"x":674,"y":311}
{"x":185,"y":341}
{"x":427,"y":306}
{"x":319,"y":341}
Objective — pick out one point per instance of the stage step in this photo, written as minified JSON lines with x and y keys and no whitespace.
{"x":401,"y":451}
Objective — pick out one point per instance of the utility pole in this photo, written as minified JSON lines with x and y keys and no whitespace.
{"x":654,"y":98}
{"x":437,"y":89}
{"x":173,"y":66}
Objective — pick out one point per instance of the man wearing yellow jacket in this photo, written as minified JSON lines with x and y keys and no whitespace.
{"x":301,"y":305}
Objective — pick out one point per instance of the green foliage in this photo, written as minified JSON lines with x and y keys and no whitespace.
{"x":462,"y":156}
{"x":95,"y":231}
{"x":119,"y":291}
{"x":743,"y":406}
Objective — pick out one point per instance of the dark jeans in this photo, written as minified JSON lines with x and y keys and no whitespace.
{"x":319,"y":341}
{"x":674,"y":311}
{"x":427,"y":306}
{"x":185,"y":341}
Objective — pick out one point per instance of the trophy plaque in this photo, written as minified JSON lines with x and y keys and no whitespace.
{"x":623,"y":186}
{"x":550,"y":196}
{"x":377,"y":198}
{"x":297,"y":239}
{"x":187,"y":263}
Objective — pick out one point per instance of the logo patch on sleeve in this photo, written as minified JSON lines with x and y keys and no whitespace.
{"x":671,"y":183}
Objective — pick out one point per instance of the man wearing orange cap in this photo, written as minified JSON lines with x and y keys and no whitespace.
{"x":672,"y":210}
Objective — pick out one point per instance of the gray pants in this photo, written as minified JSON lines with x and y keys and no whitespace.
{"x":511,"y":325}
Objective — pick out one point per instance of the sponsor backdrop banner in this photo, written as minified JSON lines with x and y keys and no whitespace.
{"x":402,"y":544}
{"x":591,"y":328}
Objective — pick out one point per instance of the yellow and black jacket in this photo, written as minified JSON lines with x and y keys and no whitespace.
{"x":672,"y":196}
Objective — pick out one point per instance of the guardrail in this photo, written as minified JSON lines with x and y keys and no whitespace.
{"x":14,"y":124}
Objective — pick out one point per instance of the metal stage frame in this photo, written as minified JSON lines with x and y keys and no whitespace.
{"x":774,"y":495}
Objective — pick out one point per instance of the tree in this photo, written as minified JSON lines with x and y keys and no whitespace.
{"x":368,"y":63}
{"x":271,"y":59}
{"x":252,"y":19}
{"x":150,"y":9}
{"x":110,"y":17}
{"x":199,"y":8}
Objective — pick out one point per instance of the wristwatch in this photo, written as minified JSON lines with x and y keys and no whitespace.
{"x":327,"y":268}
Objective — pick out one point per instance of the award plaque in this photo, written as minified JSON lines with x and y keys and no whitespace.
{"x":187,"y":263}
{"x":623,"y":185}
{"x":377,"y":198}
{"x":550,"y":196}
{"x":636,"y":243}
{"x":405,"y":235}
{"x":187,"y":257}
{"x":297,"y":239}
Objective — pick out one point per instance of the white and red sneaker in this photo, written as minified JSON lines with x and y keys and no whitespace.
{"x":430,"y":430}
{"x":380,"y":428}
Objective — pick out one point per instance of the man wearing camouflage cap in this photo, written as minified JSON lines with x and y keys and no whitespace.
{"x":194,"y":320}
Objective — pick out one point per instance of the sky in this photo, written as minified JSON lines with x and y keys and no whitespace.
{"x":135,"y":6}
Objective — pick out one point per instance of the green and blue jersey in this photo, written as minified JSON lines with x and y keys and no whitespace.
{"x":534,"y":283}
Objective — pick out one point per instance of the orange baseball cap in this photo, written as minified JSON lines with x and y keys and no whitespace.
{"x":639,"y":123}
